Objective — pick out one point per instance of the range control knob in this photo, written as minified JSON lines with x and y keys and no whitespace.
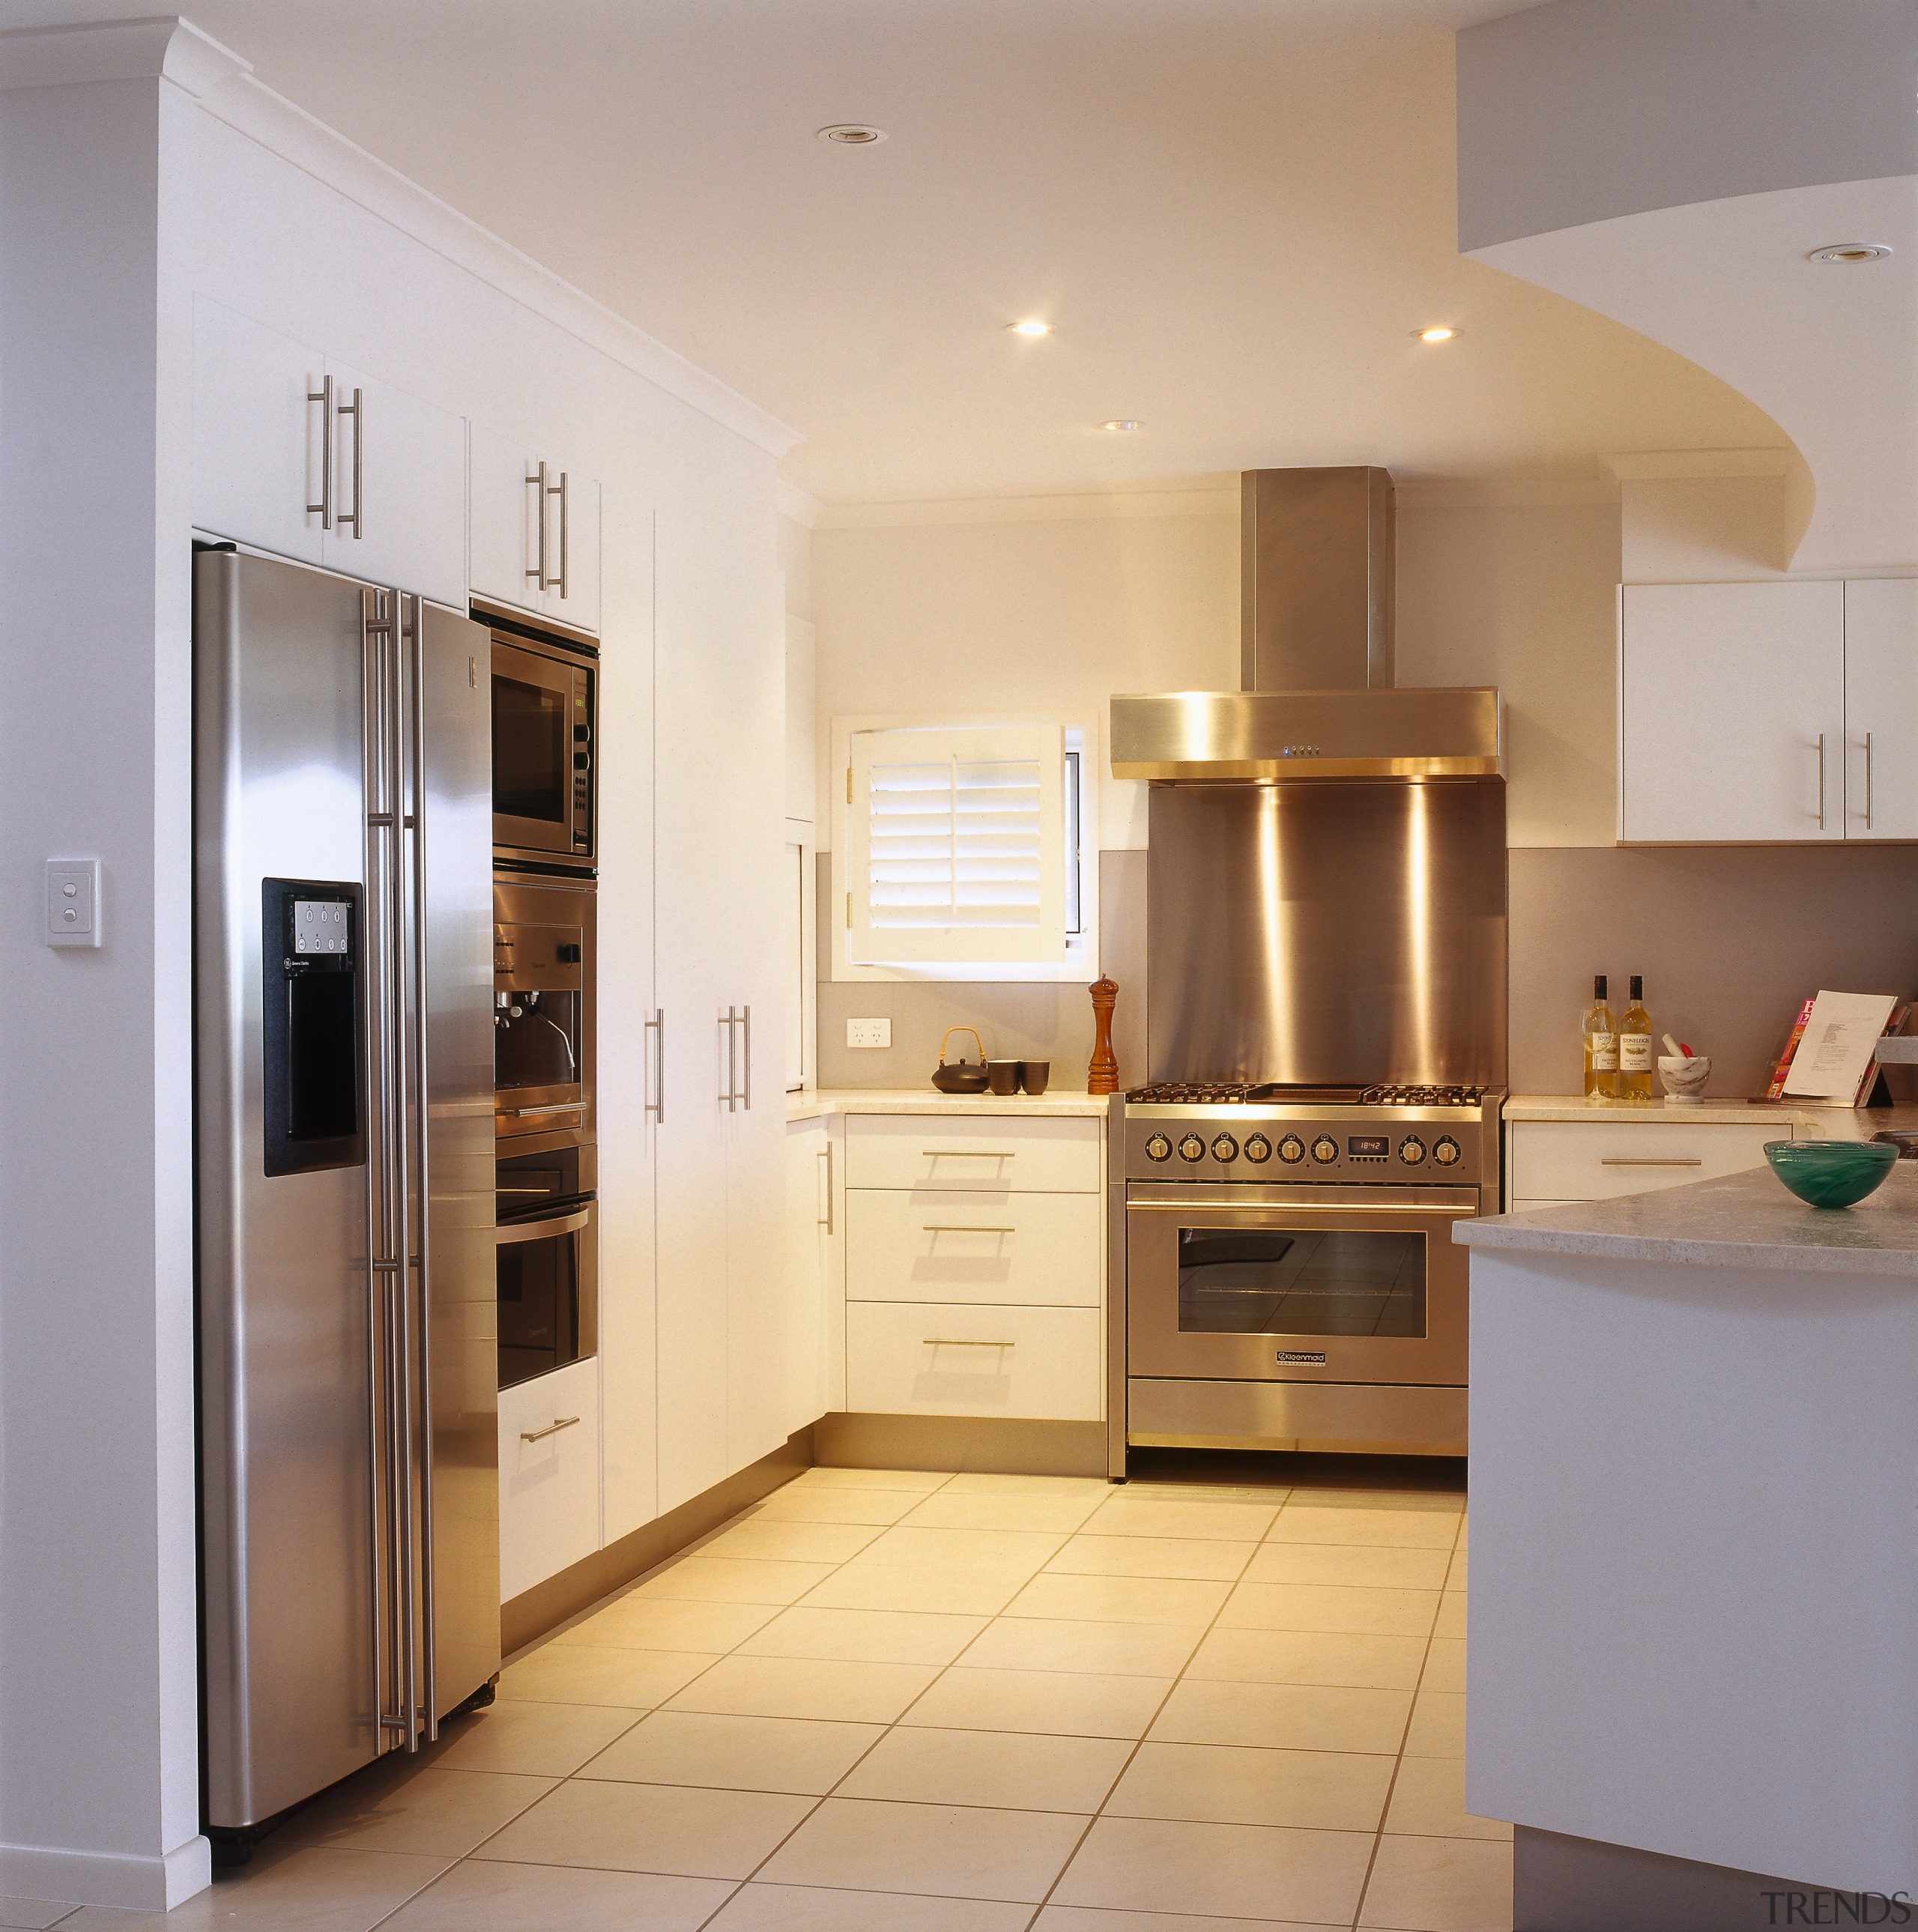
{"x":1159,"y":1148}
{"x":1446,"y":1153}
{"x":1258,"y":1148}
{"x":1292,"y":1149}
{"x":1192,"y":1148}
{"x":1412,"y":1150}
{"x":1224,"y":1147}
{"x":1325,"y":1150}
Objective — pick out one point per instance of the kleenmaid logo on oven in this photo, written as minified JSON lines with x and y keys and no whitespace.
{"x":1311,"y":1358}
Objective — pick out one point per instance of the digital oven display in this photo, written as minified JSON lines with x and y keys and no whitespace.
{"x":1369,"y":1147}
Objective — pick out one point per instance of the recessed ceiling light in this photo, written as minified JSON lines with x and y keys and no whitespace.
{"x":1122,"y":423}
{"x":1439,"y":334}
{"x":852,"y":134}
{"x":1029,"y":328}
{"x":1848,"y":253}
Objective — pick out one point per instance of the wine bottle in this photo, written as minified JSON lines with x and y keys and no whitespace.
{"x":1634,"y":1047}
{"x":1600,"y":1046}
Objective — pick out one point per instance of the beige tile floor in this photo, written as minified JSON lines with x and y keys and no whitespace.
{"x":891,"y":1701}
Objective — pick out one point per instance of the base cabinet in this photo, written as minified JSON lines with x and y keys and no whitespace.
{"x":1553,"y":1163}
{"x":974,"y":1266}
{"x":549,"y":1475}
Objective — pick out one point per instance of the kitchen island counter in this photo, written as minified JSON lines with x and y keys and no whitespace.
{"x":1739,"y":1220}
{"x":1694,"y":1625}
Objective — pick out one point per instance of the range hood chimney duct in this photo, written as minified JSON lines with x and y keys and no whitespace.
{"x":1315,"y":579}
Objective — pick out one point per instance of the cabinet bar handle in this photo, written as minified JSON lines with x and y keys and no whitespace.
{"x":356,"y":408}
{"x":1867,"y":781}
{"x":968,"y":1153}
{"x":960,"y":1341}
{"x":825,"y":1154}
{"x":746,"y":1058}
{"x":954,"y":1227}
{"x":1610,"y":1161}
{"x":559,"y":581}
{"x":537,"y":484}
{"x":553,"y":1428}
{"x":324,"y":396}
{"x":1821,"y":781}
{"x":656,"y":1107}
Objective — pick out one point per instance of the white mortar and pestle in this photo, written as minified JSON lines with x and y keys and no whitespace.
{"x":1683,"y":1072}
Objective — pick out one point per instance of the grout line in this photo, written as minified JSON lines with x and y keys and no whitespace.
{"x":1385,"y":1812}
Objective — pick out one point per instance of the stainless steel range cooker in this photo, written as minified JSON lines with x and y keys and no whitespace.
{"x":1284,"y":1257}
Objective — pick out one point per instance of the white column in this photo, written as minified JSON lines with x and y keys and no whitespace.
{"x":99,"y":1771}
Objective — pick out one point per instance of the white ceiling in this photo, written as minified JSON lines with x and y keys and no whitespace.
{"x":1235,"y":212}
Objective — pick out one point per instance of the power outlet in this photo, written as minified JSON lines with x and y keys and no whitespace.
{"x":868,"y":1033}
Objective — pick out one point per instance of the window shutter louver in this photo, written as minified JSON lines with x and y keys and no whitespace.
{"x":957,"y":845}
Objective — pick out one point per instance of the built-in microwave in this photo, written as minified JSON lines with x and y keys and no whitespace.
{"x":545,"y":706}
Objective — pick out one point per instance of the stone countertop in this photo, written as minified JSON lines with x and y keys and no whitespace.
{"x":816,"y":1103}
{"x":1739,"y":1220}
{"x":1809,"y":1119}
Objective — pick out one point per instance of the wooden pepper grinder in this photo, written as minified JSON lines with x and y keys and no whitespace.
{"x":1102,"y":1076}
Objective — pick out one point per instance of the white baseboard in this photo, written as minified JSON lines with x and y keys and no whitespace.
{"x":133,"y":1883}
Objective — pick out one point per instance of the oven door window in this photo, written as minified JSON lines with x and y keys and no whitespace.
{"x":539,"y":1305}
{"x":531,"y":771}
{"x":1300,"y":1281}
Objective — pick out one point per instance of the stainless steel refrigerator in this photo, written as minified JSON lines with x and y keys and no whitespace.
{"x":343,"y":980}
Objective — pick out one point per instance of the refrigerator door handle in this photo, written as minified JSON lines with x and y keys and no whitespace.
{"x":416,"y":672}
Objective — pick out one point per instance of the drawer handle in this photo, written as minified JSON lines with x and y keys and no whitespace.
{"x":945,"y":1228}
{"x":553,"y":1428}
{"x":969,"y":1154}
{"x":1609,"y":1161}
{"x":957,"y":1342}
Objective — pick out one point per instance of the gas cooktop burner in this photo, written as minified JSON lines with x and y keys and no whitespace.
{"x":1238,"y":1093}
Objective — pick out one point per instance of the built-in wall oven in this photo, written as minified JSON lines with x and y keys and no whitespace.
{"x":545,"y":706}
{"x":545,"y":940}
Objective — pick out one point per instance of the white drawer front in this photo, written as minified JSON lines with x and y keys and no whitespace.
{"x":907,"y":1244}
{"x":946,"y":1358}
{"x":1001,"y":1155}
{"x":1576,"y":1160}
{"x":549,"y":1487}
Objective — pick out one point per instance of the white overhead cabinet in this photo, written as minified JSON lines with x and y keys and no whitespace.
{"x":536,"y":532}
{"x":1881,"y":708}
{"x":720,"y":704}
{"x":1768,"y":712}
{"x":296,"y":453}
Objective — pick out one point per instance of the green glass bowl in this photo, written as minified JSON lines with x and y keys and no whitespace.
{"x":1831,"y":1174}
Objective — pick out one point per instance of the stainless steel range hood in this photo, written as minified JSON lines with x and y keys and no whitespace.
{"x":1315,"y":617}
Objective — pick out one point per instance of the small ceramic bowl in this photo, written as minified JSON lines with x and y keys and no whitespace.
{"x":1684,"y":1077}
{"x":1831,"y":1174}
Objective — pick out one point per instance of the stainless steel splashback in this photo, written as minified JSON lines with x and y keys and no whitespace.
{"x":1323,"y":930}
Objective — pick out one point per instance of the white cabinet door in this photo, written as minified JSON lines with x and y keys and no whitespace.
{"x":256,"y":437}
{"x":502,"y":514}
{"x":809,"y":1231}
{"x":746,"y":602}
{"x":551,"y":571}
{"x":692,"y":885}
{"x":1881,"y":708}
{"x":399,"y":489}
{"x":1731,"y":708}
{"x":945,"y":1358}
{"x":549,"y":1475}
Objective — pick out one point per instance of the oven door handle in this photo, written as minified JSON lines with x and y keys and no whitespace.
{"x":540,"y":1231}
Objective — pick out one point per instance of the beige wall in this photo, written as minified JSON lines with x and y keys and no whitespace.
{"x":1025,"y":616}
{"x":1018,"y":615}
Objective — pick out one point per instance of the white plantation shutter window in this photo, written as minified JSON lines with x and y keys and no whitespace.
{"x":955,"y":845}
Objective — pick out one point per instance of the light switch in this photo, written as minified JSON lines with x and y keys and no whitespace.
{"x":73,"y":902}
{"x":868,"y":1033}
